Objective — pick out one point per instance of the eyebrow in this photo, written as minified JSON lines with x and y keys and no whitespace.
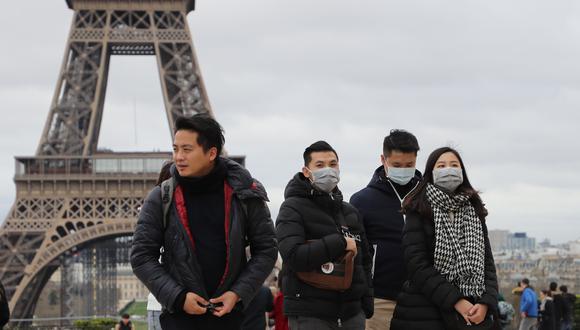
{"x":183,"y":145}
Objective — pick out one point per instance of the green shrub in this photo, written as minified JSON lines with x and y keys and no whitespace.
{"x":95,"y":324}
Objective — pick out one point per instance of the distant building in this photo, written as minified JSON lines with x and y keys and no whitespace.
{"x":129,"y":287}
{"x":498,"y":239}
{"x":545,"y":244}
{"x":575,"y":247}
{"x":503,"y":240}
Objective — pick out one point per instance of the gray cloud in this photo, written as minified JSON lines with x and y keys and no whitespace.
{"x":499,"y":81}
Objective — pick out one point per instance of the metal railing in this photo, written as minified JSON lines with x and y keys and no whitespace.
{"x":109,"y":164}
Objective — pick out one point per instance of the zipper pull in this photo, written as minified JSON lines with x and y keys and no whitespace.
{"x":339,"y":323}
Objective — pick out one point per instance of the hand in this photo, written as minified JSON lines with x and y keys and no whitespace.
{"x":477,"y":313}
{"x":228,"y":299}
{"x":524,"y":315}
{"x":351,"y":245}
{"x":194,"y":304}
{"x":463,"y":307}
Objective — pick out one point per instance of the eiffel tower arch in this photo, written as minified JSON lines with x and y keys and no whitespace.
{"x":69,"y":195}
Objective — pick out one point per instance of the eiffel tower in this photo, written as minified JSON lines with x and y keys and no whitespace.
{"x":69,"y":195}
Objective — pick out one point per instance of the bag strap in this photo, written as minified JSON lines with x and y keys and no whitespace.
{"x":340,"y":220}
{"x":167,"y":190}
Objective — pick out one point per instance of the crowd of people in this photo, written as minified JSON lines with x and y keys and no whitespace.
{"x":551,"y":308}
{"x":409,"y":251}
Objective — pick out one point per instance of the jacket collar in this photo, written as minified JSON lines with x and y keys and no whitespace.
{"x":244,"y":186}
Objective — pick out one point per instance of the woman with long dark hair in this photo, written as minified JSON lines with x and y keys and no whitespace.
{"x":451,"y":281}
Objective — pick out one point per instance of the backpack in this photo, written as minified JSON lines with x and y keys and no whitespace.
{"x":167,"y":189}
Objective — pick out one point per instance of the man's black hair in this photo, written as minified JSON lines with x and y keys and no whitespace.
{"x":317,"y":147}
{"x":553,"y":286}
{"x":125,"y":316}
{"x":526,"y":282}
{"x":209,"y":132}
{"x":400,"y":140}
{"x":564,"y":289}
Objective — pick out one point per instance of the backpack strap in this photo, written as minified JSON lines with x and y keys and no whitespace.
{"x":167,"y":190}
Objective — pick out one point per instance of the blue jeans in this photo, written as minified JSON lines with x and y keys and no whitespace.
{"x":153,"y":320}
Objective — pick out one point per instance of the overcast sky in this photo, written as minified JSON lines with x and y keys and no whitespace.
{"x":499,"y":80}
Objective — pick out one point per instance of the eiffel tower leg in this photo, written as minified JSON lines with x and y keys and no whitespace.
{"x":184,"y":91}
{"x":73,"y":123}
{"x":67,"y":196}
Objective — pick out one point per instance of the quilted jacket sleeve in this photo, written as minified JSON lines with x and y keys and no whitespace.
{"x":419,"y":260}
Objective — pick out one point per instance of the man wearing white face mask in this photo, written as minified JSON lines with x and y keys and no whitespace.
{"x":380,"y":205}
{"x":317,"y":231}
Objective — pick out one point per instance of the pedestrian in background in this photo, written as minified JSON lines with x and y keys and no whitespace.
{"x":567,"y":311}
{"x":506,"y":312}
{"x":528,"y":306}
{"x":125,"y":323}
{"x":153,"y":312}
{"x":255,"y":313}
{"x":280,"y":319}
{"x":547,"y":317}
{"x":557,"y":297}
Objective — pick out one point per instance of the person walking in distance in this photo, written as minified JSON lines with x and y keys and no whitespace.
{"x":125,"y":323}
{"x":528,"y":306}
{"x":567,"y":311}
{"x":547,"y":316}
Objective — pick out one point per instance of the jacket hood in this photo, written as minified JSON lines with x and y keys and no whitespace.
{"x":379,"y":181}
{"x":240,"y":179}
{"x":300,"y":186}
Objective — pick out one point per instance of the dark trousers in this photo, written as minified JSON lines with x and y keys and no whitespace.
{"x":183,"y":321}
{"x":356,"y":322}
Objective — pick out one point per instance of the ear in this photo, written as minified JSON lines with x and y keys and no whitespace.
{"x":383,"y":160}
{"x":306,"y":172}
{"x":213,"y":153}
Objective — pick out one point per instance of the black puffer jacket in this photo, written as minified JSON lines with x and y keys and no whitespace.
{"x":249,"y":222}
{"x":427,"y":300}
{"x":309,"y":215}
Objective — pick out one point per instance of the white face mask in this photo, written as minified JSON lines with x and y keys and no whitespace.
{"x":448,"y":178}
{"x":400,"y":175}
{"x":325,"y":179}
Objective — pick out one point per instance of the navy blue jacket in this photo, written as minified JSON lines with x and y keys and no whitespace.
{"x":380,"y":208}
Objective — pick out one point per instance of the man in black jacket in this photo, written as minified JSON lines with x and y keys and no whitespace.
{"x":316,"y":228}
{"x":213,"y":210}
{"x":567,"y":308}
{"x":380,"y":205}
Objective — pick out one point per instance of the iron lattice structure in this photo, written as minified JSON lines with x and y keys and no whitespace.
{"x":69,"y":196}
